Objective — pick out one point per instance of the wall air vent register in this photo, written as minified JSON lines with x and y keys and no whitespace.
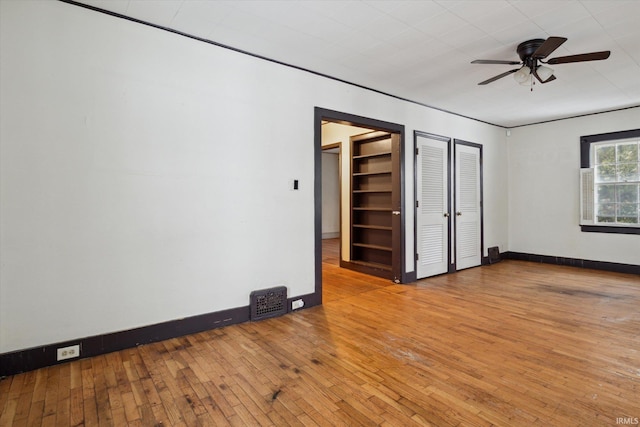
{"x":268,"y":303}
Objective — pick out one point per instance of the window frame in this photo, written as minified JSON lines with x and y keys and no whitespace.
{"x":586,"y":143}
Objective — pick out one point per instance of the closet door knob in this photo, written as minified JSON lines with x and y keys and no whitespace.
{"x":459,"y":213}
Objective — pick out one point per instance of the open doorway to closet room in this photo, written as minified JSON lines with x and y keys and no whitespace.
{"x":359,"y":226}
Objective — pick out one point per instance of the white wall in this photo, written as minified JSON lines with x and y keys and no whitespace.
{"x":544,"y":164}
{"x":330,"y":195}
{"x":136,"y":177}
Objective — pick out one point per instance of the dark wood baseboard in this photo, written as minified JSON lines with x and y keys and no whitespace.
{"x":410,"y":277}
{"x":407,"y":277}
{"x":39,"y":357}
{"x":378,"y":272}
{"x":573,"y":262}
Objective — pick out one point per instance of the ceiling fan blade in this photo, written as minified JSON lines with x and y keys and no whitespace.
{"x":494,"y":61}
{"x":593,"y":56}
{"x":549,"y":45}
{"x":499,"y":76}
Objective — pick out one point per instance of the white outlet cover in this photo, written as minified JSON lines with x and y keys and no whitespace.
{"x":64,"y":353}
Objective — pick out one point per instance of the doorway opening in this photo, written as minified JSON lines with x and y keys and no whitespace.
{"x":331,"y":202}
{"x":333,"y":129}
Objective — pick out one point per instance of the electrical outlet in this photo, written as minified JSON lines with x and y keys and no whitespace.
{"x":297,"y":304}
{"x":70,"y":352}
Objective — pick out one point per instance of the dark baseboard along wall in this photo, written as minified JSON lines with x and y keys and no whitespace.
{"x":40,"y":357}
{"x":574,"y":262}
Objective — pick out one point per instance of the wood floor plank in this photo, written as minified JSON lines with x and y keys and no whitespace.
{"x":51,"y":396}
{"x":510,"y":344}
{"x":89,"y":404}
{"x":5,"y":386}
{"x":23,"y":407}
{"x":160,"y":414}
{"x":280,"y":416}
{"x":35,"y":414}
{"x":76,"y":411}
{"x":8,"y":412}
{"x":130,"y":407}
{"x":220,"y":399}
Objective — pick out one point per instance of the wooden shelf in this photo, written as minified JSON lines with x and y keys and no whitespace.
{"x":377,"y":247}
{"x":368,"y":156}
{"x":372,"y":227}
{"x":372,"y":173}
{"x":370,"y":191}
{"x":372,"y":209}
{"x":373,"y":265}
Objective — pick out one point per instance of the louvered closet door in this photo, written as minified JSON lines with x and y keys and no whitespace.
{"x":468,"y":207}
{"x":432,"y":216}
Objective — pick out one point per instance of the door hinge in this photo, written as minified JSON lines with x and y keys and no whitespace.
{"x":417,"y":257}
{"x":417,"y":151}
{"x":417,"y":203}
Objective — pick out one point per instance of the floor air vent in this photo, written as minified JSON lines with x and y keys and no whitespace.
{"x":494,"y":255}
{"x":268,"y":303}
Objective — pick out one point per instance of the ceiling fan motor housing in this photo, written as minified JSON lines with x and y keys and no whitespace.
{"x":527,"y":49}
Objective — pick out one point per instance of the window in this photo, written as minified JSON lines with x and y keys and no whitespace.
{"x":613,"y":191}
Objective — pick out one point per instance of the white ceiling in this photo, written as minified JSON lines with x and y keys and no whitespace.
{"x":421,"y":50}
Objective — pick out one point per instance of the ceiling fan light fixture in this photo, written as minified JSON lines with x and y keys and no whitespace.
{"x":544,"y":73}
{"x":528,"y":81}
{"x":522,"y":75}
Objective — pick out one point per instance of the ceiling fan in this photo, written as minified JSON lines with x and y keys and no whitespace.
{"x":532,"y":53}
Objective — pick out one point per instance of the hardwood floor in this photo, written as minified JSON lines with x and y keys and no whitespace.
{"x":511,"y":344}
{"x":337,"y":283}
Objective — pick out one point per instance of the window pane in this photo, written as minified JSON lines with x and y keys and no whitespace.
{"x":628,"y":213}
{"x":627,"y":193}
{"x":627,"y":172}
{"x":606,"y":212}
{"x":628,"y":153}
{"x":615,"y":165}
{"x":606,"y":193}
{"x":606,"y":173}
{"x":616,"y":168}
{"x":605,"y":154}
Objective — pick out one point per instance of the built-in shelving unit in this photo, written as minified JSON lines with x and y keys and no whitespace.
{"x":372,"y":202}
